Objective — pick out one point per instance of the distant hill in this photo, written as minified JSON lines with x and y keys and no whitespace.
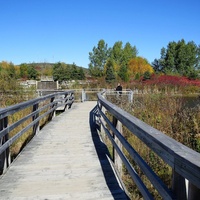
{"x":46,"y":65}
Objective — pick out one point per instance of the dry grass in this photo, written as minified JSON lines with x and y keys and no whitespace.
{"x":171,"y":115}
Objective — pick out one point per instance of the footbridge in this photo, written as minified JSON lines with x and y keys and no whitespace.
{"x":66,"y":153}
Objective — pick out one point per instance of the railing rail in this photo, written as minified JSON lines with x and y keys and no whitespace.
{"x":90,"y":94}
{"x":112,"y":92}
{"x":39,"y":109}
{"x":185,"y":163}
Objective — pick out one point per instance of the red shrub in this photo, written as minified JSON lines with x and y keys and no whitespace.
{"x":171,"y":80}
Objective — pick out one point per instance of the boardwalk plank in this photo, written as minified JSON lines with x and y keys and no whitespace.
{"x":61,"y":162}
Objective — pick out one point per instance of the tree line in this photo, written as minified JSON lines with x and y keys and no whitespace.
{"x":59,"y":71}
{"x":179,"y":58}
{"x":122,"y":62}
{"x":119,"y":62}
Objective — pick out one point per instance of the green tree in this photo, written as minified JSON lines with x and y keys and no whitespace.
{"x":74,"y":72}
{"x":109,"y":74}
{"x":170,"y":59}
{"x":129,"y":52}
{"x":58,"y":72}
{"x":98,"y":58}
{"x":11,"y":71}
{"x":67,"y":72}
{"x":123,"y":73}
{"x":7,"y":82}
{"x":147,"y":75}
{"x":179,"y":58}
{"x":197,"y":66}
{"x":156,"y":65}
{"x":121,"y":56}
{"x":24,"y":70}
{"x":62,"y":72}
{"x":116,"y":53}
{"x":81,"y":74}
{"x":32,"y":72}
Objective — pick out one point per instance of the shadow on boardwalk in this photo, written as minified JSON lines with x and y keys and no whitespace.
{"x":103,"y":154}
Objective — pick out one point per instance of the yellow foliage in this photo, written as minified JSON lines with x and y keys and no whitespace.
{"x":17,"y":70}
{"x":5,"y":65}
{"x":139,"y":66}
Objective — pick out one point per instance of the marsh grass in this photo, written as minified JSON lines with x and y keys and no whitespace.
{"x":20,"y":142}
{"x":170,"y":114}
{"x":18,"y":145}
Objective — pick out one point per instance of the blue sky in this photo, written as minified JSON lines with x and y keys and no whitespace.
{"x":67,"y":30}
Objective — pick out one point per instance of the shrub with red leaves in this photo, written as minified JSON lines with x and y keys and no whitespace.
{"x":171,"y":80}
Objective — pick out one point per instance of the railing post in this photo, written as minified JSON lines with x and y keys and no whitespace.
{"x":5,"y":159}
{"x":52,"y":113}
{"x":36,"y":126}
{"x":183,"y":190}
{"x":70,"y":99}
{"x":83,"y":96}
{"x":130,"y":96}
{"x":66,"y":99}
{"x":178,"y":186}
{"x":193,"y":192}
{"x":101,"y":130}
{"x":116,"y":158}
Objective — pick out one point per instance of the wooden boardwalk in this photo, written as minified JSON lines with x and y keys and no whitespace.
{"x":65,"y":160}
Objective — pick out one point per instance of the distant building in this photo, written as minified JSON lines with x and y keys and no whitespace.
{"x":46,"y":87}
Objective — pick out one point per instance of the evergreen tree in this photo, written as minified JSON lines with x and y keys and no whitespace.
{"x":123,"y":73}
{"x":179,"y":58}
{"x":58,"y":72}
{"x":109,"y":74}
{"x":81,"y":74}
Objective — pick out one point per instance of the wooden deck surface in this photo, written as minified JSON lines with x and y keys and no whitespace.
{"x":63,"y":161}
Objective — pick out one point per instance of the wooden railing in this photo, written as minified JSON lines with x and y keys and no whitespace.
{"x":86,"y":94}
{"x":185,"y":163}
{"x":29,"y":115}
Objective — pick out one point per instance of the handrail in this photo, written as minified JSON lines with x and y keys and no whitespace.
{"x":184,"y":162}
{"x":125,"y":92}
{"x":39,"y":108}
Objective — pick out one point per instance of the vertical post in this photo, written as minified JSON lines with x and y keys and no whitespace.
{"x":67,"y":98}
{"x":83,"y":95}
{"x":116,"y":159}
{"x":101,"y":130}
{"x":104,"y":94}
{"x":130,"y":95}
{"x":36,"y":126}
{"x":193,"y":192}
{"x":52,"y":113}
{"x":5,"y":159}
{"x":71,"y":99}
{"x":178,"y":186}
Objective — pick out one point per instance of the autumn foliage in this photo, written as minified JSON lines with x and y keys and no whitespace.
{"x":138,"y":66}
{"x":171,"y":80}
